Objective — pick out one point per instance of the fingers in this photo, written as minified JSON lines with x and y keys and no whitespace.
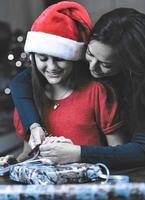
{"x":63,"y":139}
{"x":37,"y":137}
{"x":45,"y":147}
{"x":32,"y":142}
{"x":47,"y":150}
{"x":46,"y":154}
{"x":68,"y":141}
{"x":49,"y":139}
{"x":55,"y":139}
{"x":47,"y":161}
{"x":5,"y":160}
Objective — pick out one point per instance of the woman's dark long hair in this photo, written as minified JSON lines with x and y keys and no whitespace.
{"x":124,"y":30}
{"x":38,"y":86}
{"x":80,"y":76}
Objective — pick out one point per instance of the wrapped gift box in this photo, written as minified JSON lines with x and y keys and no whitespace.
{"x":39,"y":173}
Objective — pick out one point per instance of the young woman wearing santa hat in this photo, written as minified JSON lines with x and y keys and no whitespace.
{"x":69,"y":104}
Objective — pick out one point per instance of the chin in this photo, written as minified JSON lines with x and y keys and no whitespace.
{"x":53,"y":81}
{"x":95,"y":75}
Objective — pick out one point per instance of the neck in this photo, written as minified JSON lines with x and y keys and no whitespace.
{"x":59,"y":91}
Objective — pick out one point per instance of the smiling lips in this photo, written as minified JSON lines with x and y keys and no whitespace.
{"x":53,"y":74}
{"x":97,"y":74}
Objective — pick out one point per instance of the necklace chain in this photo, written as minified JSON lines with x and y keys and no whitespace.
{"x":56,"y":104}
{"x":66,"y":93}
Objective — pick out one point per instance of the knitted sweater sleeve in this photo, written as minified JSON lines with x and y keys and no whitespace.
{"x":21,"y":90}
{"x":128,"y":155}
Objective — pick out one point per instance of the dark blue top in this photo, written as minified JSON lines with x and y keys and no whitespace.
{"x":21,"y":90}
{"x":117,"y":157}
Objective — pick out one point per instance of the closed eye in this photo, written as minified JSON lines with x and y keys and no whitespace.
{"x":59,"y":59}
{"x":106,"y":65}
{"x":89,"y":52}
{"x":43,"y":58}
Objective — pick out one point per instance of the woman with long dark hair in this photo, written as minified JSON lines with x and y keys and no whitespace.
{"x":123,"y":32}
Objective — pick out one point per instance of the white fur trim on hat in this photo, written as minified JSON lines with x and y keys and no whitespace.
{"x":53,"y":45}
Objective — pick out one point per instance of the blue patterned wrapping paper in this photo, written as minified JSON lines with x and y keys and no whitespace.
{"x":73,"y":192}
{"x":43,"y":174}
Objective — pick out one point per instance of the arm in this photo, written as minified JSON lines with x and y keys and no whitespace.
{"x":124,"y":156}
{"x":29,"y":120}
{"x":111,"y":116}
{"x":117,"y":157}
{"x":21,"y":90}
{"x":117,"y":137}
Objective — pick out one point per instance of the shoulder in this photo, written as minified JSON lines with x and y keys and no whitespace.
{"x":101,"y":87}
{"x":22,"y":77}
{"x":99,"y":90}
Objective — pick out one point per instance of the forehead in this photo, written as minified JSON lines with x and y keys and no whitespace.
{"x":100,"y":50}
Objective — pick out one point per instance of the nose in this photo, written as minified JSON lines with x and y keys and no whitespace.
{"x":51,"y":64}
{"x":94,"y":64}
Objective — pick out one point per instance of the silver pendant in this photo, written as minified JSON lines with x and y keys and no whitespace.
{"x":56,"y":105}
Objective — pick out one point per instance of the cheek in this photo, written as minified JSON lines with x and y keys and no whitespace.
{"x":92,"y":66}
{"x":39,"y":65}
{"x":40,"y":68}
{"x":107,"y":71}
{"x":66,"y":67}
{"x":111,"y":71}
{"x":90,"y":62}
{"x":88,"y":58}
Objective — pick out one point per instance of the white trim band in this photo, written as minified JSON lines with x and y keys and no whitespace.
{"x":53,"y":45}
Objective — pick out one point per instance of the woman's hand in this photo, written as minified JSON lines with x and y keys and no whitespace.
{"x":37,"y":135}
{"x":60,"y":152}
{"x":56,"y":139}
{"x":6,"y":160}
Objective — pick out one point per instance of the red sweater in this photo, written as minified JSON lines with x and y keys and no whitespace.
{"x":83,"y":116}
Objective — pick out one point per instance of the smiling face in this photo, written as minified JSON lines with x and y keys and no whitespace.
{"x":100,"y":58}
{"x":54,"y":69}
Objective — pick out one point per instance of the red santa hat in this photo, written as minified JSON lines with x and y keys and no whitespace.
{"x":61,"y":31}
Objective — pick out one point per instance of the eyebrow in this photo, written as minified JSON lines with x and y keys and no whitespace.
{"x":88,"y":49}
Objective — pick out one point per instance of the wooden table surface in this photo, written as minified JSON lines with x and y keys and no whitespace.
{"x":136,"y":175}
{"x":5,"y":180}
